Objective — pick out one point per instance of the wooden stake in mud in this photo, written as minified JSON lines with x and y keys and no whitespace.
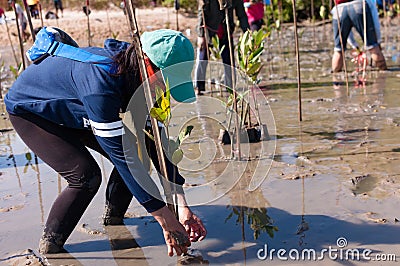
{"x":108,"y":23}
{"x":296,"y":39}
{"x":177,"y":7}
{"x":225,"y":5}
{"x":207,"y":38}
{"x":21,"y":42}
{"x":10,"y":40}
{"x":88,"y":22}
{"x":313,"y":19}
{"x":28,"y":15}
{"x":40,"y":14}
{"x":126,"y":17}
{"x":365,"y":40}
{"x":342,"y":48}
{"x":150,"y":102}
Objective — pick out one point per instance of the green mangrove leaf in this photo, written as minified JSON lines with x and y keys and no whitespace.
{"x":159,"y":95}
{"x":28,"y":156}
{"x":259,"y":37}
{"x":256,"y":54}
{"x":185,"y":133}
{"x":158,"y":114}
{"x":177,"y":156}
{"x":254,"y":69}
{"x":172,"y":146}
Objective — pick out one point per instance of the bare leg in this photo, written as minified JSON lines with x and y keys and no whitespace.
{"x":378,"y":57}
{"x":337,"y":62}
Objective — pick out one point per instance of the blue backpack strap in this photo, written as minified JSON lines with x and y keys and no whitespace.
{"x":46,"y":44}
{"x":77,"y":54}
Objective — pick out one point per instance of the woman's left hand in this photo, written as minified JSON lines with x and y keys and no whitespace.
{"x":192,"y":224}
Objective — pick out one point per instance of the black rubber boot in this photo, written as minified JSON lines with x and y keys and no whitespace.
{"x":111,"y":217}
{"x":51,"y":243}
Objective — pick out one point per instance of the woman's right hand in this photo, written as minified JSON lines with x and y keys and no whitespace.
{"x":175,"y":234}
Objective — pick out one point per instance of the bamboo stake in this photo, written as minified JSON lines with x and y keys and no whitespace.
{"x":28,"y":15}
{"x":296,"y":38}
{"x":224,"y":5}
{"x":8,"y":141}
{"x":88,"y":22}
{"x":342,"y":48}
{"x":280,"y":16}
{"x":11,"y":43}
{"x":313,"y":19}
{"x":384,"y":11}
{"x":365,"y":40}
{"x":273,"y":13}
{"x":126,"y":17}
{"x":177,"y":7}
{"x":108,"y":22}
{"x":40,"y":194}
{"x":41,"y":14}
{"x":206,"y":37}
{"x":150,"y":102}
{"x":21,"y":43}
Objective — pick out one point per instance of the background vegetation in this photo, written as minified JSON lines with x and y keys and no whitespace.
{"x":281,"y":9}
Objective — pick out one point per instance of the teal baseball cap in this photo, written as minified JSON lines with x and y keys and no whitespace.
{"x":173,"y":54}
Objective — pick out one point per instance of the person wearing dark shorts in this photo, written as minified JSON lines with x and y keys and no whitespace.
{"x":211,"y":22}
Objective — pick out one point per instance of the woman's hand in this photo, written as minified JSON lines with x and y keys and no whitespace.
{"x":193,"y":225}
{"x":175,"y":235}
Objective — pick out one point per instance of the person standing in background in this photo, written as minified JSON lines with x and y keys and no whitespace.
{"x":33,"y":8}
{"x":351,"y":15}
{"x":23,"y":22}
{"x":2,"y":16}
{"x":58,"y":6}
{"x":211,"y":22}
{"x":255,"y":13}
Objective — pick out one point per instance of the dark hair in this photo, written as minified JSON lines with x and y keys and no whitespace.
{"x":126,"y":61}
{"x":128,"y":68}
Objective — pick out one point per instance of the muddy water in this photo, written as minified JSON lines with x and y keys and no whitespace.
{"x":332,"y":181}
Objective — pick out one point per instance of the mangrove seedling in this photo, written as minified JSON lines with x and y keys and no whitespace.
{"x":215,"y":50}
{"x":17,"y":71}
{"x":162,"y":113}
{"x":250,"y":49}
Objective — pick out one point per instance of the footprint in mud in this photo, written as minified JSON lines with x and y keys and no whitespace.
{"x":12,"y":208}
{"x":375,"y":220}
{"x":84,"y":228}
{"x":25,"y":257}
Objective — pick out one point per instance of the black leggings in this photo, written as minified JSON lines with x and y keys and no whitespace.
{"x":64,"y":150}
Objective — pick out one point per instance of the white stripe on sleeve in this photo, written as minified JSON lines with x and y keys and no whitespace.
{"x":108,"y":133}
{"x":110,"y":125}
{"x":111,"y":129}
